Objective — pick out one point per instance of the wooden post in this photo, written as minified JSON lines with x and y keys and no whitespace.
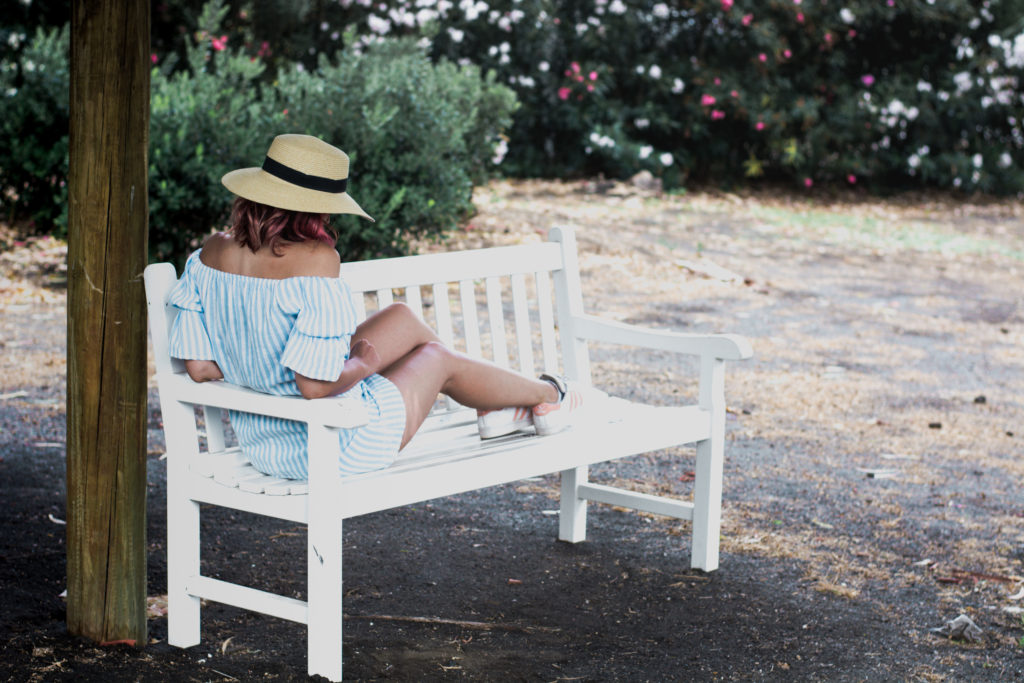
{"x":106,"y":400}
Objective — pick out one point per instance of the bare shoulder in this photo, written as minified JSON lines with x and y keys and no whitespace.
{"x":314,"y":259}
{"x":214,"y":246}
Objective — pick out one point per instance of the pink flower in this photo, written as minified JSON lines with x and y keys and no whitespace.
{"x":763,"y":57}
{"x":759,"y":125}
{"x":590,"y":87}
{"x":727,"y":5}
{"x":593,"y":75}
{"x":568,"y":72}
{"x":219,"y":43}
{"x":852,"y":33}
{"x":152,"y":58}
{"x":891,"y":3}
{"x":734,"y":93}
{"x":284,"y":113}
{"x":563,"y":93}
{"x":828,"y":37}
{"x":707,"y":100}
{"x":868,"y":80}
{"x":579,"y":78}
{"x":852,"y":179}
{"x":747,"y":18}
{"x":717,"y":114}
{"x":797,"y":2}
{"x":800,"y":17}
{"x":575,"y":67}
{"x":787,"y":53}
{"x":808,"y":182}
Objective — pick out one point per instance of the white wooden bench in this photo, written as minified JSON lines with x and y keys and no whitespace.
{"x":462,"y":290}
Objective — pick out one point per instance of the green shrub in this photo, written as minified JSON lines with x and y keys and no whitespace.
{"x":34,"y":128}
{"x":205,"y":120}
{"x":419,"y":136}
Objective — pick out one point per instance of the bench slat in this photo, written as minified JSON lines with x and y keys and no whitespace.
{"x":521,"y":311}
{"x":470,"y":320}
{"x":496,"y":320}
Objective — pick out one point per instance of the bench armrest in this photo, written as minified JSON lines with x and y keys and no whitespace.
{"x":724,"y":346}
{"x":331,"y":412}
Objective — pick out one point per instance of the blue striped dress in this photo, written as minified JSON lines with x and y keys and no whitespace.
{"x":261,"y":332}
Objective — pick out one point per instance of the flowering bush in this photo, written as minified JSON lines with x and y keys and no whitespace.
{"x":888,"y":93}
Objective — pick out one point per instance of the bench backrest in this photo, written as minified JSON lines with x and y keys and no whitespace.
{"x":508,"y":304}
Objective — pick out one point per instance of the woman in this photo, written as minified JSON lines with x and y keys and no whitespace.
{"x":262,"y":306}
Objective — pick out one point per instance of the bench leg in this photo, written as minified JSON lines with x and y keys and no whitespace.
{"x":183,"y":618}
{"x":324,"y":591}
{"x":183,"y":610}
{"x":707,"y":505}
{"x":572,"y":521}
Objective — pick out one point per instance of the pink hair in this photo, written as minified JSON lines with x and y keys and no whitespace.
{"x":256,"y":225}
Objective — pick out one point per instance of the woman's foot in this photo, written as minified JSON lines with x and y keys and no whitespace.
{"x":551,"y":418}
{"x":495,"y":423}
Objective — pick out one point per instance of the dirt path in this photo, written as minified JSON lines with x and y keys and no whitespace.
{"x":888,"y":341}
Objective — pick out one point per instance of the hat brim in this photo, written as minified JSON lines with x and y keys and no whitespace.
{"x":257,"y":185}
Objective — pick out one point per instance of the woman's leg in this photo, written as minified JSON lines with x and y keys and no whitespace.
{"x":393,"y":332}
{"x":433,"y":368}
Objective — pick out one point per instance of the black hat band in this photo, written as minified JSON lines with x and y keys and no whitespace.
{"x":310,"y":182}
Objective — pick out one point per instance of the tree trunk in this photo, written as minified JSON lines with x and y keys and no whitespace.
{"x":106,"y":400}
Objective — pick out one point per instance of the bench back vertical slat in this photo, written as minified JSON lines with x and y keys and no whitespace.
{"x":524,"y":337}
{"x":569,"y":299}
{"x":496,"y":321}
{"x":385,"y":298}
{"x":470,"y":321}
{"x":546,"y":316}
{"x":414,"y":300}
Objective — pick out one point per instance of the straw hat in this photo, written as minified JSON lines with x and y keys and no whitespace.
{"x":300,"y":173}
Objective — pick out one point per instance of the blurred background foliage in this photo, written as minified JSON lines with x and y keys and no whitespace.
{"x":430,"y":97}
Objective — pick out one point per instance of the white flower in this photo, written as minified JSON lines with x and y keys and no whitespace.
{"x":642,"y":123}
{"x":847,"y":16}
{"x":963,"y":82}
{"x":581,"y":29}
{"x":666,"y":159}
{"x":654,"y":71}
{"x":456,"y":35}
{"x":377,"y":24}
{"x":544,"y":67}
{"x":645,"y":151}
{"x":1005,"y":160}
{"x":425,"y":16}
{"x":504,"y":48}
{"x":977,"y":160}
{"x":660,"y":10}
{"x":504,"y":58}
{"x":924,"y":86}
{"x":914,"y":161}
{"x":505,"y":24}
{"x":617,"y":7}
{"x":500,"y":150}
{"x":678,"y":86}
{"x":957,"y":182}
{"x":527,"y":81}
{"x":994,"y":40}
{"x":924,"y":150}
{"x":324,"y":26}
{"x":640,"y":69}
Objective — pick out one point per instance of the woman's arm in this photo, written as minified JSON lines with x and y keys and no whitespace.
{"x":362,"y":362}
{"x":203,"y":370}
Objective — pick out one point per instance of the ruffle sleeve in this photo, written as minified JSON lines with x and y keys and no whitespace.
{"x":325,"y":319}
{"x":190,"y":340}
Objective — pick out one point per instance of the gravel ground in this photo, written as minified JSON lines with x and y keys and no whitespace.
{"x":872,"y":489}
